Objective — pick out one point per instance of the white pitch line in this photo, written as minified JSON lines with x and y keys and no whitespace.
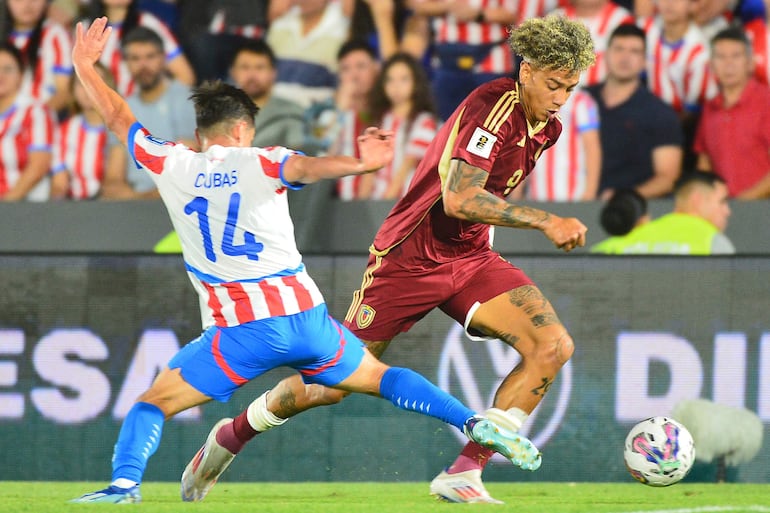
{"x":709,"y":509}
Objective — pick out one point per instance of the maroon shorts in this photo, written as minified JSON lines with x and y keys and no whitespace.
{"x":400,"y":288}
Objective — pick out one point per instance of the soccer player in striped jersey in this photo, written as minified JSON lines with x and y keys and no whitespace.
{"x":434,"y":248}
{"x":26,"y":134}
{"x":46,"y":48}
{"x":601,"y":17}
{"x":259,"y":306}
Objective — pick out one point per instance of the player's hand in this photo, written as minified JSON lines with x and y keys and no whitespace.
{"x":89,"y":44}
{"x":566,"y":233}
{"x":376,"y":148}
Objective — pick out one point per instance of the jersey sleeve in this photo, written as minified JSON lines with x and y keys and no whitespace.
{"x":587,"y":112}
{"x":148,"y":151}
{"x":42,"y":126}
{"x":59,"y":45}
{"x":481,"y":129}
{"x":272,"y":160}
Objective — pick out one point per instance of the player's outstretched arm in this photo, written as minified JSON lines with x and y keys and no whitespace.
{"x":89,"y":45}
{"x":375,"y":147}
{"x":465,"y":198}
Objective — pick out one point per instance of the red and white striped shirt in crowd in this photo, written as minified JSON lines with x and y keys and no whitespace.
{"x":527,"y":9}
{"x":351,"y":126}
{"x":759,"y":35}
{"x":448,"y":29}
{"x":409,"y":140}
{"x":221,"y":25}
{"x":560,"y":174}
{"x":678,"y":73}
{"x":54,"y":58}
{"x":600,"y":26}
{"x":112,"y":56}
{"x":25,"y":127}
{"x":81,"y":152}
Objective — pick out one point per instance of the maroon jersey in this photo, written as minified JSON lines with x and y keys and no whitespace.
{"x":489,"y":131}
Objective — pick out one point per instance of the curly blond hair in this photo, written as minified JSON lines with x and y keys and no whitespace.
{"x":554,"y":42}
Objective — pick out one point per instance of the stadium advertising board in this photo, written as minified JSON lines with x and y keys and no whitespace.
{"x":81,"y":337}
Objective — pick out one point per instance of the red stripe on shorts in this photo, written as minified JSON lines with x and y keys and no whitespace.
{"x":229,"y":372}
{"x":334,"y":361}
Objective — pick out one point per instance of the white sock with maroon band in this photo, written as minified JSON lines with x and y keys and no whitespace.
{"x":260,"y":418}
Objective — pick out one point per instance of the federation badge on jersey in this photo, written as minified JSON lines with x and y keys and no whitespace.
{"x":481,"y":143}
{"x":365,"y":316}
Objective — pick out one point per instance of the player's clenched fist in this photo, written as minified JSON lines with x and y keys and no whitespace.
{"x":566,"y":233}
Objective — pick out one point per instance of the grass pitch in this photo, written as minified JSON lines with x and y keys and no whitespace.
{"x":50,"y":497}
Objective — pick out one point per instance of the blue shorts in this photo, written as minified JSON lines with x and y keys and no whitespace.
{"x":312,"y":342}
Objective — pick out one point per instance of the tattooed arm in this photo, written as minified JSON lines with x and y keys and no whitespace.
{"x":465,"y":198}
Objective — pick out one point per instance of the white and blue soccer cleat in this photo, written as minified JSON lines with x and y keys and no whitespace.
{"x":112,"y":495}
{"x":207,"y":465}
{"x":519,"y":449}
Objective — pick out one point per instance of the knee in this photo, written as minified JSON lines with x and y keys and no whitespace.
{"x":555,"y":350}
{"x":324,"y":396}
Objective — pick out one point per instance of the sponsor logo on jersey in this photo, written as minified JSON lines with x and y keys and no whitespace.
{"x":365,"y":316}
{"x":158,"y":141}
{"x":481,"y":143}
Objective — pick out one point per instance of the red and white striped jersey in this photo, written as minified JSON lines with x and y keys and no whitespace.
{"x":759,"y":35}
{"x":678,"y":73}
{"x":408,"y":141}
{"x":560,"y":173}
{"x":112,"y":56}
{"x":600,"y":26}
{"x":526,"y":9}
{"x":25,"y":127}
{"x":448,"y":29}
{"x":54,"y":58}
{"x":221,"y":25}
{"x":229,"y":208}
{"x":81,"y":151}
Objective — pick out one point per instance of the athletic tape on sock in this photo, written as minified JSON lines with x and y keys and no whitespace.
{"x":260,"y":418}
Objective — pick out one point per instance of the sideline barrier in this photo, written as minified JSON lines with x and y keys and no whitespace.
{"x":82,"y":336}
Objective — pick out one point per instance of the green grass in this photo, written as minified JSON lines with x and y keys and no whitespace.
{"x":45,"y":497}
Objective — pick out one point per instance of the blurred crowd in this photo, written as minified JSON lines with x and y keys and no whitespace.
{"x":679,"y":86}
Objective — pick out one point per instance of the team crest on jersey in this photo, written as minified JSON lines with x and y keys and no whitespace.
{"x":481,"y":143}
{"x":158,"y":141}
{"x":365,"y":316}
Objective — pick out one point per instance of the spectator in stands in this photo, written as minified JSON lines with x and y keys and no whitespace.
{"x":306,"y":39}
{"x":470,"y":41}
{"x":124,"y":16}
{"x":81,"y":147}
{"x":26,"y":134}
{"x":570,"y":170}
{"x":695,"y":227}
{"x":389,"y":26}
{"x":678,"y":57}
{"x":601,"y":17}
{"x":623,"y":212}
{"x":279,"y":122}
{"x":164,"y":105}
{"x":733,"y":137}
{"x":45,"y":47}
{"x":401,"y":101}
{"x":641,"y":136}
{"x":211,"y":32}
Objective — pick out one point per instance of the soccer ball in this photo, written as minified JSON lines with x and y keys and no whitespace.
{"x":659,"y":451}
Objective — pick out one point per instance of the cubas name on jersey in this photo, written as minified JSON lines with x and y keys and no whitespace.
{"x":213,"y":180}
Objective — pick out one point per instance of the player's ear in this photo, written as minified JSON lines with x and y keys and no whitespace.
{"x":525,"y":72}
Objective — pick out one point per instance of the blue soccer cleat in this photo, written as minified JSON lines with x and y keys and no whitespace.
{"x":519,"y":449}
{"x":113,"y":495}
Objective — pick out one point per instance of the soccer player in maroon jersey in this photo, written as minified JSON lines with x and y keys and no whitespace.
{"x":434,"y":249}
